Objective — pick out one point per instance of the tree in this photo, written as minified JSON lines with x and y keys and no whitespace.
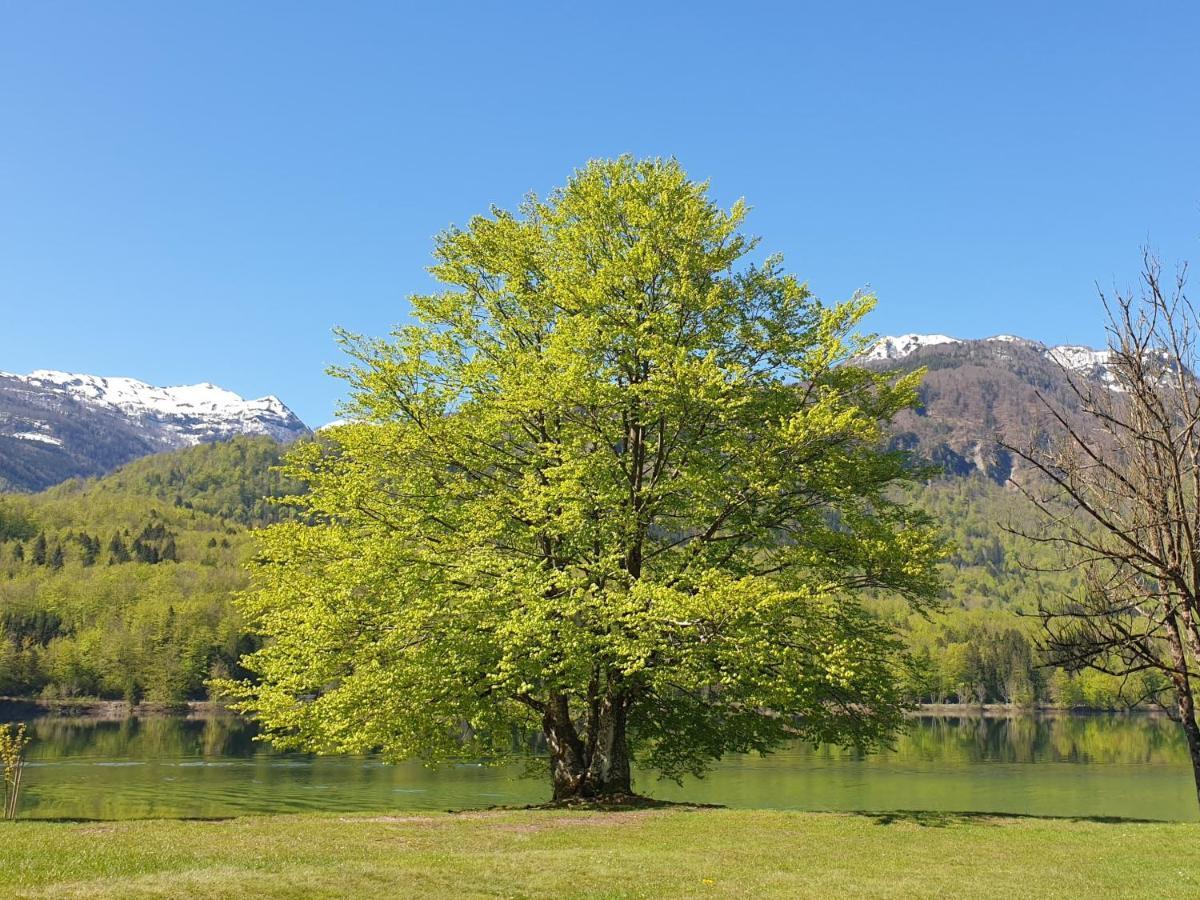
{"x":91,"y":549}
{"x":117,"y":550}
{"x":1120,"y":494}
{"x":614,"y":485}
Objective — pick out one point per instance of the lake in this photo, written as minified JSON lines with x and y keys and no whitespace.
{"x":1063,"y":765}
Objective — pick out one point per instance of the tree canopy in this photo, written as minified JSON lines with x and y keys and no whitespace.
{"x":617,"y":484}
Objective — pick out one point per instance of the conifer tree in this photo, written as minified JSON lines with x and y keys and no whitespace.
{"x":117,"y":552}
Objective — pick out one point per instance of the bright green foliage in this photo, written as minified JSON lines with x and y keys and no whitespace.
{"x":613,"y":480}
{"x":979,"y":648}
{"x":121,"y":587}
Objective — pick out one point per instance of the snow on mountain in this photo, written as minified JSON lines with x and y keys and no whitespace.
{"x":181,"y":416}
{"x":57,"y":425}
{"x":60,"y":425}
{"x":1014,"y":339}
{"x":37,"y":436}
{"x":902,"y":345}
{"x":1078,"y":358}
{"x":1074,"y":357}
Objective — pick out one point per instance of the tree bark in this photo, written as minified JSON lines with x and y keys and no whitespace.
{"x":1185,"y":700}
{"x":608,"y":768}
{"x":597,"y":770}
{"x":567,"y":764}
{"x":1186,"y":706}
{"x":1192,"y":730}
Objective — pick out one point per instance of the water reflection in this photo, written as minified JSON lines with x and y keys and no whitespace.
{"x":1070,"y":765}
{"x":1106,"y":739}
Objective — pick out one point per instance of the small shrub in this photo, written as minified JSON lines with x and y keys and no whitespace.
{"x":12,"y":760}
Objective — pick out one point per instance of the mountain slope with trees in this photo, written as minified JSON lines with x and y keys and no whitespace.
{"x":120,"y":587}
{"x":976,"y":392}
{"x":137,"y":567}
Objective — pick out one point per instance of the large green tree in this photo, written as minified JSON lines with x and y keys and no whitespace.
{"x":617,"y":485}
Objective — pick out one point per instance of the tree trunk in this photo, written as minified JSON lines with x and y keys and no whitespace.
{"x":1185,"y":699}
{"x":598,"y":770}
{"x":1187,"y":718}
{"x":567,"y":763}
{"x":608,"y":767}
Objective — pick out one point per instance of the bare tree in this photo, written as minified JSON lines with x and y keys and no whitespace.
{"x":1120,"y":495}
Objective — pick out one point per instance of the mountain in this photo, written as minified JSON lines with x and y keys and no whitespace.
{"x":120,"y":586}
{"x":56,"y":425}
{"x":976,"y":392}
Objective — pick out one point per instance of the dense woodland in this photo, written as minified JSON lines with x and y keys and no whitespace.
{"x":982,"y":646}
{"x":120,"y":587}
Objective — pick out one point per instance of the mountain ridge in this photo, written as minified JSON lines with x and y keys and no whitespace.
{"x":976,"y":395}
{"x":1078,"y":357}
{"x":979,"y":395}
{"x":59,"y":425}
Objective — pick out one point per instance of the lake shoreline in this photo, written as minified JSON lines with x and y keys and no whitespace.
{"x":204,"y":764}
{"x":1012,"y":711}
{"x":107,"y":710}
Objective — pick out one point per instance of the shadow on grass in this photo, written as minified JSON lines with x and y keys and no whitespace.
{"x":922,"y":817}
{"x":933,"y":819}
{"x":619,"y":803}
{"x":88,"y":820}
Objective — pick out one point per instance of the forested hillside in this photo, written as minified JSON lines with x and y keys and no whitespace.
{"x":982,"y":646}
{"x":120,"y":587}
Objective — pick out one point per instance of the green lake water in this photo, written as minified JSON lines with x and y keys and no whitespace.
{"x":1095,"y":765}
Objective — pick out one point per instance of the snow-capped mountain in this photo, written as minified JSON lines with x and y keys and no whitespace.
{"x":902,"y":345}
{"x":185,"y":415}
{"x":58,"y":425}
{"x":978,"y":394}
{"x":1074,"y":357}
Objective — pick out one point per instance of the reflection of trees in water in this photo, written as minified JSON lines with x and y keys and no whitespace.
{"x":152,"y":737}
{"x":1027,"y":739}
{"x":1113,"y":739}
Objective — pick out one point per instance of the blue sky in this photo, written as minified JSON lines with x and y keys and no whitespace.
{"x":200,"y":192}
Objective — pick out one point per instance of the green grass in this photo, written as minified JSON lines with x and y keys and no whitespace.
{"x":653,"y":853}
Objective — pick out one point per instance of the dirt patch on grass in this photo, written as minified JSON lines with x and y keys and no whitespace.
{"x":549,"y":823}
{"x":495,"y":819}
{"x":621,"y":803}
{"x":393,"y":820}
{"x":600,"y":818}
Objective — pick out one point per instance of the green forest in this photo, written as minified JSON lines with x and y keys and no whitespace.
{"x":121,"y":587}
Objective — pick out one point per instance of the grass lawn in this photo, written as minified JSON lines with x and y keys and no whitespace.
{"x":651,"y":853}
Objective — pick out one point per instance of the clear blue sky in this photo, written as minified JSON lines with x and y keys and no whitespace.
{"x":200,"y":192}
